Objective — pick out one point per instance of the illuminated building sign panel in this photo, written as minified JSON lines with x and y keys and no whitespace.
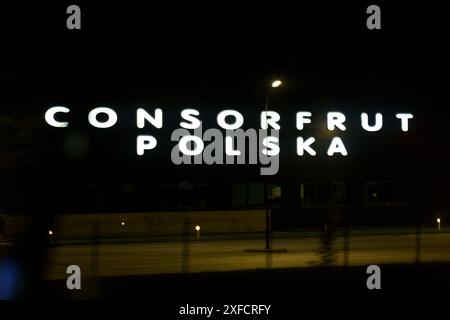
{"x":212,"y":145}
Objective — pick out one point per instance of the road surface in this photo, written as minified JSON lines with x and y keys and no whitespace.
{"x":201,"y":256}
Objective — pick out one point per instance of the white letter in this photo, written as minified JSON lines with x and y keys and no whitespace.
{"x":229,"y":147}
{"x":142,"y":115}
{"x":365,"y":122}
{"x":335,"y":119}
{"x":112,"y":117}
{"x":270,"y":118}
{"x":374,"y":281}
{"x":225,"y":113}
{"x":74,"y":280}
{"x":188,"y":114}
{"x":336,"y":145}
{"x":74,"y":21}
{"x":301,"y":119}
{"x":374,"y":21}
{"x":305,"y":146}
{"x":199,"y":145}
{"x":50,"y":117}
{"x":271,"y":144}
{"x":404,"y":117}
{"x":145,"y":143}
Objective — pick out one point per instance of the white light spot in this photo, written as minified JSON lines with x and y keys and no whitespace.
{"x":276,"y":83}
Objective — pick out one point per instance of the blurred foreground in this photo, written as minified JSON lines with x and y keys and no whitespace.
{"x":125,"y":259}
{"x":306,"y":265}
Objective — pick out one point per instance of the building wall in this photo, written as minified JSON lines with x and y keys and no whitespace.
{"x":80,"y":226}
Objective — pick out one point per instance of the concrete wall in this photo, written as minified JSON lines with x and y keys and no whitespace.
{"x":79,"y":226}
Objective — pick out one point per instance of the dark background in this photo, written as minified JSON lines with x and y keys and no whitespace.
{"x":210,"y":57}
{"x":213,"y":55}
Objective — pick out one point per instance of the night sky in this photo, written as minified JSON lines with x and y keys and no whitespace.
{"x":211,"y":57}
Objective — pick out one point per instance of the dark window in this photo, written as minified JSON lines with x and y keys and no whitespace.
{"x":202,"y":192}
{"x":184,"y":195}
{"x":386,"y":193}
{"x":323,"y":193}
{"x":248,"y":194}
{"x":167,"y":200}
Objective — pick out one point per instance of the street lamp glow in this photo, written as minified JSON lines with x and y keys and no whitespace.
{"x":123,"y":223}
{"x":276,"y":83}
{"x":50,"y":232}
{"x":438,"y":220}
{"x":197,"y":228}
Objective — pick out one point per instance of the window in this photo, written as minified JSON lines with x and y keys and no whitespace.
{"x":274,"y":191}
{"x":184,"y":195}
{"x":386,"y":193}
{"x":248,"y":194}
{"x":202,"y":192}
{"x":166,"y":196}
{"x":323,"y":193}
{"x":274,"y":194}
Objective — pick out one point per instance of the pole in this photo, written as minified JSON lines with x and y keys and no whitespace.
{"x":186,"y":246}
{"x":266,"y":197}
{"x":95,"y":248}
{"x":268,"y":226}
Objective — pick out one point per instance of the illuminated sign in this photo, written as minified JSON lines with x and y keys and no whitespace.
{"x":193,"y":142}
